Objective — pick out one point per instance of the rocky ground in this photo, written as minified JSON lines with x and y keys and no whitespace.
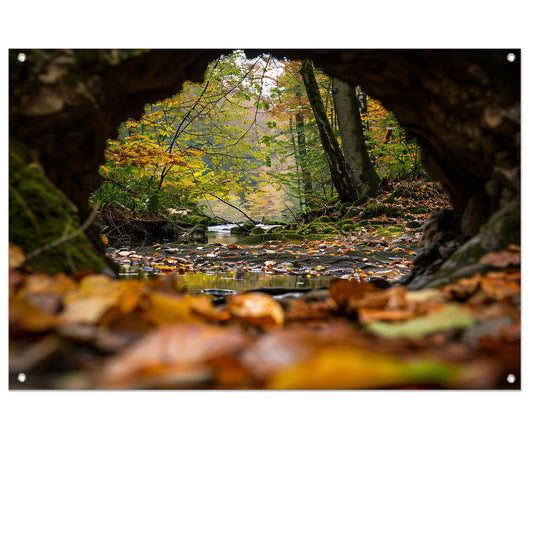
{"x":344,"y":257}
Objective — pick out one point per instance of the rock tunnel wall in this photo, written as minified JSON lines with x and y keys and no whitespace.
{"x":463,"y":106}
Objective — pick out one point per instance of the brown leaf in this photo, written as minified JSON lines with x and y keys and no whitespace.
{"x":282,"y":348}
{"x":501,"y":259}
{"x":175,"y":349}
{"x":346,"y":293}
{"x":300,"y":309}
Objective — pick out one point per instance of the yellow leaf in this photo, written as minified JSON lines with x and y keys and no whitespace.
{"x":90,"y":309}
{"x":168,"y":309}
{"x":348,"y":368}
{"x":16,"y":256}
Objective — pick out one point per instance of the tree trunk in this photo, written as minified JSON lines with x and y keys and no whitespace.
{"x":356,"y":156}
{"x":302,"y":153}
{"x":346,"y":187}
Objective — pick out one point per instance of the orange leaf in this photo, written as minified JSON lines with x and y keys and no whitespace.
{"x":366,"y":315}
{"x":256,"y":308}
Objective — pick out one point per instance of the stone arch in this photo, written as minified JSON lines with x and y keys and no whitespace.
{"x":462,"y":105}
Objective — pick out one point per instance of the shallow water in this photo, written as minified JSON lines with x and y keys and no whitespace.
{"x":222,"y":233}
{"x":195,"y":282}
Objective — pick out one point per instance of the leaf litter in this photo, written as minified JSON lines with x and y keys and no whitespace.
{"x":93,"y":332}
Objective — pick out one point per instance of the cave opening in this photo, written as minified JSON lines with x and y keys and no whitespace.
{"x":463,"y":106}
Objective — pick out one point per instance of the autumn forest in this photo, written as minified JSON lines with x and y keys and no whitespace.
{"x":269,"y":224}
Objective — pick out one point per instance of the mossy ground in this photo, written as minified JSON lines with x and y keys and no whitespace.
{"x":40,"y":214}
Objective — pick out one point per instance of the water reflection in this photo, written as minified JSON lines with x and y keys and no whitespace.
{"x":195,"y":282}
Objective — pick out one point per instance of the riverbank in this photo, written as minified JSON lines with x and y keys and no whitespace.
{"x":343,"y":257}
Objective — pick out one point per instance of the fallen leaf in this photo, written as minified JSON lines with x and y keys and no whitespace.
{"x":165,"y":308}
{"x":172,"y":349}
{"x":367,"y":316}
{"x":452,"y":316}
{"x":256,"y":308}
{"x":501,"y":259}
{"x":16,"y":256}
{"x":352,"y":368}
{"x":203,"y":306}
{"x":89,"y":309}
{"x":25,"y":316}
{"x":346,"y":293}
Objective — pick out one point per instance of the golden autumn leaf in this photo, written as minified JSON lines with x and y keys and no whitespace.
{"x":203,"y":306}
{"x":359,"y":368}
{"x":341,"y":369}
{"x":16,"y":256}
{"x":165,"y":308}
{"x":26,"y":316}
{"x":256,"y":308}
{"x":89,"y":309}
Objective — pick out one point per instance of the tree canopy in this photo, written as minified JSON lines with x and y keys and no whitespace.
{"x":249,"y":128}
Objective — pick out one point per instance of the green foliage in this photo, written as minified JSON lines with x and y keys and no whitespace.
{"x":393,"y":154}
{"x":328,"y":230}
{"x":236,"y":135}
{"x":187,"y":148}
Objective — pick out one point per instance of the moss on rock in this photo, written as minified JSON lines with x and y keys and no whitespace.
{"x":327,"y":230}
{"x":344,"y":207}
{"x":373,"y":209}
{"x":397,"y":193}
{"x":352,"y":212}
{"x":501,"y":230}
{"x":394,"y":211}
{"x":40,"y":214}
{"x":193,"y":221}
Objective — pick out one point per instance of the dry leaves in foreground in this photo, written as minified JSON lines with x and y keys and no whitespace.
{"x":96,"y":332}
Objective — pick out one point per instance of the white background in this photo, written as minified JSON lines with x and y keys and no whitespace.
{"x":271,"y":462}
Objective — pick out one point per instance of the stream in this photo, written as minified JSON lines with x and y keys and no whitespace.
{"x":222,"y":233}
{"x":222,"y":264}
{"x":238,"y":280}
